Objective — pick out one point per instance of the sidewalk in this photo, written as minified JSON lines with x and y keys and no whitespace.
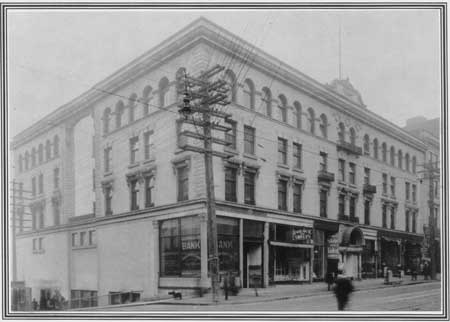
{"x":282,"y":292}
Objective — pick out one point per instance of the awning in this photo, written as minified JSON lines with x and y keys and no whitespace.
{"x":352,"y":236}
{"x":398,"y":236}
{"x":281,"y":244}
{"x":332,"y":227}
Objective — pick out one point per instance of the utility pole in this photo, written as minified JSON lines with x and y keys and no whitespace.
{"x":430,"y":170}
{"x":200,"y":94}
{"x":13,"y":232}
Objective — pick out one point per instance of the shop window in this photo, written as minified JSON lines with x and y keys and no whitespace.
{"x":282,"y":151}
{"x":124,"y":297}
{"x":230,"y":136}
{"x":297,"y":155}
{"x":83,"y":298}
{"x":323,"y":203}
{"x":230,"y":184}
{"x":249,"y":187}
{"x":384,"y":216}
{"x":282,"y":194}
{"x":228,"y":244}
{"x":367,"y":212}
{"x":180,"y":247}
{"x":249,"y":140}
{"x":297,"y":197}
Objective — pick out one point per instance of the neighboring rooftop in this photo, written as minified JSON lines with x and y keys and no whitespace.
{"x":417,"y":125}
{"x":345,"y":88}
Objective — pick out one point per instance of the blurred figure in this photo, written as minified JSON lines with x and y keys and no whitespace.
{"x":329,"y":279}
{"x":342,"y":290}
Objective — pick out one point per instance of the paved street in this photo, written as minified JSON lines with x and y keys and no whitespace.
{"x":421,"y":297}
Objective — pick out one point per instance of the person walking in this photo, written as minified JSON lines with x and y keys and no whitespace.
{"x":342,"y":290}
{"x":329,"y":279}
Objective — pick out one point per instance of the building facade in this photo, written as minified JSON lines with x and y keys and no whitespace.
{"x":317,"y":182}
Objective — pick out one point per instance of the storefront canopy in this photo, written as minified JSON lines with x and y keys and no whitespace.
{"x":399,"y":236}
{"x":281,"y":244}
{"x":352,"y":236}
{"x":332,"y":227}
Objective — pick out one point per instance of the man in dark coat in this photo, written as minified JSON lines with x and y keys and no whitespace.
{"x":329,"y":279}
{"x":342,"y":290}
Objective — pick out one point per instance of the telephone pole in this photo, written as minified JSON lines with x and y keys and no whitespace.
{"x":200,"y":94}
{"x":432,"y":220}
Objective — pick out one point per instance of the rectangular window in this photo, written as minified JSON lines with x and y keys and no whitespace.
{"x":180,"y":247}
{"x":230,"y":184}
{"x":108,"y":200}
{"x":407,"y":220}
{"x":249,"y":139}
{"x":407,"y":190}
{"x":366,"y":176}
{"x":341,"y":169}
{"x":41,"y":217}
{"x":34,"y":244}
{"x":82,"y":238}
{"x":323,"y":203}
{"x":249,"y":187}
{"x":56,"y":178}
{"x":297,"y":154}
{"x":392,"y":186}
{"x":134,"y":190}
{"x":33,"y":186}
{"x":183,"y":183}
{"x":33,"y":218}
{"x":323,"y":162}
{"x":230,"y":136}
{"x":83,"y":298}
{"x":74,"y":239}
{"x":297,"y":194}
{"x":147,"y":136}
{"x":414,"y":193}
{"x":352,"y":206}
{"x":56,"y":214}
{"x":149,"y":181}
{"x":341,"y":205}
{"x":366,"y":212}
{"x":352,"y":173}
{"x":282,"y":151}
{"x":282,"y":194}
{"x":134,"y":148}
{"x":414,"y":222}
{"x":385,"y":183}
{"x":108,"y":159}
{"x":384,"y":216}
{"x":92,"y":237}
{"x":392,"y":218}
{"x":41,"y":183}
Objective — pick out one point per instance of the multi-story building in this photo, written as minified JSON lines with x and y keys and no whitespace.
{"x":317,"y":181}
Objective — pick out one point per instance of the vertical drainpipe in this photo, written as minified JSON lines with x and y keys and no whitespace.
{"x":241,"y":251}
{"x":266,"y":255}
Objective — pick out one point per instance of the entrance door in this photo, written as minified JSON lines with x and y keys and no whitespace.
{"x":253,"y":265}
{"x":351,"y":265}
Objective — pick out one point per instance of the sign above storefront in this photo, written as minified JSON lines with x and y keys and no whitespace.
{"x":302,"y":234}
{"x":333,"y":246}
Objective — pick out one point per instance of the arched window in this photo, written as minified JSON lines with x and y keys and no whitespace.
{"x":56,"y":146}
{"x":33,"y":157}
{"x":384,"y":151}
{"x":27,"y":160}
{"x":48,"y":150}
{"x":230,"y":78}
{"x":400,"y":159}
{"x":341,"y":133}
{"x":298,"y":114}
{"x":312,"y":119}
{"x":267,"y":99}
{"x":375,"y":148}
{"x":352,"y":136}
{"x":163,"y":89}
{"x":366,"y":144}
{"x":20,"y":163}
{"x":392,"y":155}
{"x":324,"y":125}
{"x":283,"y":108}
{"x":119,"y":112}
{"x":414,"y":164}
{"x":132,"y":100}
{"x":180,"y":81}
{"x":145,"y":100}
{"x":407,"y":162}
{"x":106,"y":119}
{"x":41,"y":153}
{"x":249,"y":94}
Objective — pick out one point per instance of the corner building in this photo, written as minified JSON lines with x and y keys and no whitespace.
{"x":316,"y":182}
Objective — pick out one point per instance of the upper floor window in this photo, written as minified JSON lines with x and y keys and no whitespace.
{"x":384,"y":152}
{"x":400,"y":159}
{"x":352,"y":173}
{"x":119,"y":113}
{"x":41,"y":183}
{"x":33,"y":186}
{"x":249,"y":139}
{"x":134,"y":190}
{"x":312,"y":119}
{"x":407,"y":190}
{"x":352,"y":207}
{"x":183,"y":183}
{"x":323,"y":203}
{"x":414,"y":222}
{"x":384,"y":215}
{"x":249,"y":94}
{"x":106,"y":119}
{"x":230,"y":184}
{"x":375,"y":148}
{"x":352,"y":136}
{"x":41,"y":153}
{"x":341,"y":206}
{"x":107,"y":190}
{"x":341,"y":169}
{"x":384,"y":177}
{"x":145,"y":100}
{"x":392,"y":154}
{"x":230,"y":136}
{"x":282,"y":151}
{"x":180,"y":78}
{"x":341,"y":132}
{"x":163,"y":89}
{"x":283,"y":108}
{"x":297,"y":197}
{"x":20,"y":163}
{"x":56,"y":146}
{"x":282,"y":194}
{"x":298,"y":114}
{"x":414,"y":193}
{"x":407,"y":162}
{"x":108,"y":159}
{"x":297,"y":155}
{"x":267,"y":100}
{"x":27,"y":160}
{"x":147,"y":144}
{"x":56,"y":178}
{"x":413,"y":166}
{"x":407,"y":215}
{"x":48,"y":150}
{"x":323,"y":162}
{"x":230,"y":78}
{"x":249,"y":187}
{"x":132,"y":101}
{"x":366,"y":176}
{"x":366,"y":145}
{"x":148,"y":186}
{"x":367,"y":212}
{"x":392,"y":218}
{"x":392,"y":186}
{"x":323,"y":125}
{"x":134,"y":148}
{"x":33,"y":157}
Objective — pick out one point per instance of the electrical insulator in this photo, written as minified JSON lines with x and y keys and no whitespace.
{"x":186,"y":109}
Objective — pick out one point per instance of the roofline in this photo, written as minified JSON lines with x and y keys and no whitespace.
{"x":201,"y":28}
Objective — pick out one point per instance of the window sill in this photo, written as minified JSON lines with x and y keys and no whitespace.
{"x":133,"y":165}
{"x":351,"y":185}
{"x":342,"y":183}
{"x":84,"y":247}
{"x":109,"y":173}
{"x":231,"y":150}
{"x":147,"y":161}
{"x":250,"y":156}
{"x":41,"y":251}
{"x":282,"y":165}
{"x":298,"y":170}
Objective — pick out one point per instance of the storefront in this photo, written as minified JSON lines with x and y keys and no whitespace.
{"x":351,"y":248}
{"x":326,"y":248}
{"x":369,"y":255}
{"x":290,"y":253}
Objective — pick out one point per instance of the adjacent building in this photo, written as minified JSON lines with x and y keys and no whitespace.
{"x":117,"y":209}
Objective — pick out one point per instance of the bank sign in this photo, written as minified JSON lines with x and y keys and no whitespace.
{"x":194,"y":244}
{"x":302,"y":234}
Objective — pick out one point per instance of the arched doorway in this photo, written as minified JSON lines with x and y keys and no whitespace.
{"x":351,"y":247}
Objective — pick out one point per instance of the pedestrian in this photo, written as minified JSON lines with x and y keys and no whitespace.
{"x":34,"y":304}
{"x":426,"y":270}
{"x":226,"y":284}
{"x":342,"y":289}
{"x":329,"y":279}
